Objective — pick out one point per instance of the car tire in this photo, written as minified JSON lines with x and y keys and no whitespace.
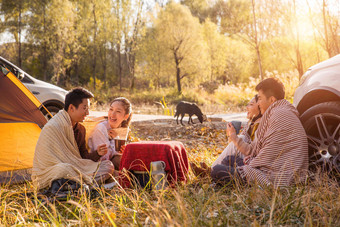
{"x":52,"y":109}
{"x":322,"y":125}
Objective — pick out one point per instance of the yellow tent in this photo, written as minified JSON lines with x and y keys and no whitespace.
{"x":20,"y":124}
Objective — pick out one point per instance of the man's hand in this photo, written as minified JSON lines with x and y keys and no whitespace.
{"x":102,"y":149}
{"x":231,"y":132}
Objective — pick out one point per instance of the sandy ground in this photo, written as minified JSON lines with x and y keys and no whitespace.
{"x":210,"y":134}
{"x":146,"y":117}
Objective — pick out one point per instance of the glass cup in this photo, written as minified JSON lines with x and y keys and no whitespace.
{"x":237,"y":126}
{"x":119,"y":143}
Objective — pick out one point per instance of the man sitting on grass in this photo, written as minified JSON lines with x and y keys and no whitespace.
{"x":279,"y":154}
{"x":58,"y":150}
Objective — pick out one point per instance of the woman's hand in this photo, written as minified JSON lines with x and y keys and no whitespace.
{"x":122,"y":148}
{"x":112,"y":133}
{"x":231,"y":132}
{"x":102,"y":149}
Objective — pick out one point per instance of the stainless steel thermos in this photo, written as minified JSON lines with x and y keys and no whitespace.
{"x":158,"y":175}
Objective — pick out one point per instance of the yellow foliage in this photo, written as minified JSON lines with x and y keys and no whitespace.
{"x":241,"y":93}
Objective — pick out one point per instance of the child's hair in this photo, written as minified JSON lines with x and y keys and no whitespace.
{"x":128,"y":110}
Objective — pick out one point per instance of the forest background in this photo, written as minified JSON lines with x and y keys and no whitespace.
{"x":206,"y":51}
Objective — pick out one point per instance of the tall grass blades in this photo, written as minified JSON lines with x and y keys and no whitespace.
{"x":196,"y":203}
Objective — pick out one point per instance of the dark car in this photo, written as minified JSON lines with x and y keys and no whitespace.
{"x":318,"y":101}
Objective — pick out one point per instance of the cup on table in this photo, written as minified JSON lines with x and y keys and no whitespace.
{"x":119,"y":143}
{"x":237,"y":126}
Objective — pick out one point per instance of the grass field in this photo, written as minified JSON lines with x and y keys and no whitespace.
{"x":196,"y":203}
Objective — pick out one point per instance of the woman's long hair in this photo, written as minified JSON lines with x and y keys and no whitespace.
{"x":259,"y":115}
{"x":127,"y":108}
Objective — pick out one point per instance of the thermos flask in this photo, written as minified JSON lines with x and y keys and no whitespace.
{"x":158,"y":175}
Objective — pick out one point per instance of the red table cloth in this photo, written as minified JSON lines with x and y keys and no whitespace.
{"x":138,"y":156}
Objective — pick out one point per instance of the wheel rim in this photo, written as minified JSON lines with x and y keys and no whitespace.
{"x":48,"y":116}
{"x":323,"y":133}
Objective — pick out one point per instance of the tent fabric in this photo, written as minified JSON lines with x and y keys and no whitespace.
{"x":17,"y":143}
{"x":17,"y":104}
{"x":20,"y":125}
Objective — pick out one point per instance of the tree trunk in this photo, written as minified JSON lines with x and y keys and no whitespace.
{"x":178,"y":73}
{"x":118,"y":40}
{"x":119,"y":66}
{"x":299,"y":64}
{"x":94,"y":46}
{"x":19,"y":36}
{"x":211,"y":67}
{"x":257,"y":45}
{"x":178,"y":78}
{"x":132,"y":69}
{"x":134,"y":43}
{"x":325,"y":24}
{"x":104,"y":63}
{"x":104,"y":71}
{"x":44,"y":45}
{"x":76,"y":72}
{"x":158,"y":72}
{"x":113,"y":61}
{"x":259,"y":60}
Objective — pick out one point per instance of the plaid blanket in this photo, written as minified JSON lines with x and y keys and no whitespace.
{"x":279,"y":155}
{"x":138,"y":156}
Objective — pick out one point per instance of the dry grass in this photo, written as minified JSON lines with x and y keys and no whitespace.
{"x":196,"y":203}
{"x":192,"y":204}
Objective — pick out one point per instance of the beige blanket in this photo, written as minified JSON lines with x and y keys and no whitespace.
{"x":57,"y":155}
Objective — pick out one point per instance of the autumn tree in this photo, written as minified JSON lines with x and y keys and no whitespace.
{"x":249,"y":21}
{"x":127,"y":35}
{"x":153,"y":63}
{"x":328,"y":25}
{"x":61,"y":35}
{"x":104,"y":37}
{"x":39,"y":33}
{"x":217,"y":50}
{"x":15,"y":13}
{"x":133,"y":34}
{"x":289,"y":11}
{"x":241,"y":18}
{"x":199,"y":8}
{"x":180,"y":34}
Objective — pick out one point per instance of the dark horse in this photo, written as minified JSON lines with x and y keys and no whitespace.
{"x":183,"y":108}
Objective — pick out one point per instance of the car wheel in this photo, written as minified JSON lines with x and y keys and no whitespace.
{"x":52,"y":109}
{"x":322,"y":125}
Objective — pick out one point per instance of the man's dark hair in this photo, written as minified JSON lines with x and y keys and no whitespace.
{"x":272,"y":87}
{"x":76,"y":96}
